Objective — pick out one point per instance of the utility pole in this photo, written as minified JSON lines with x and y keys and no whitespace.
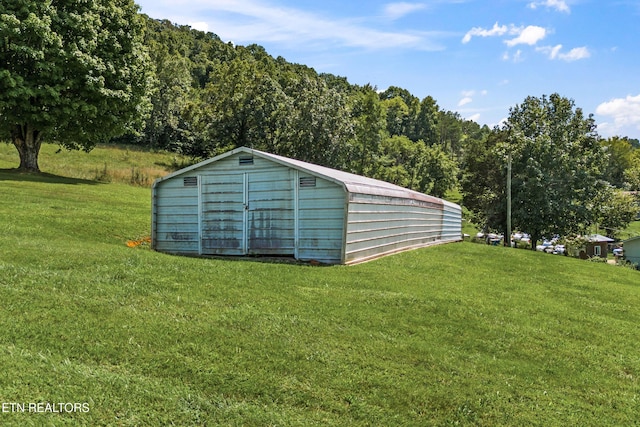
{"x":507,"y":238}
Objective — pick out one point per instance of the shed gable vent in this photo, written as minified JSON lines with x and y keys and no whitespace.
{"x":307,"y":181}
{"x":245,"y":160}
{"x":190,"y":181}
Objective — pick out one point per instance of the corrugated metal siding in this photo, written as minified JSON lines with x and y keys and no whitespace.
{"x":176,"y":218}
{"x":451,"y":222}
{"x":321,"y":221}
{"x":248,"y":208}
{"x":270,"y":222}
{"x":632,"y":250}
{"x":222,"y":219}
{"x":380,"y":225}
{"x":258,"y":205}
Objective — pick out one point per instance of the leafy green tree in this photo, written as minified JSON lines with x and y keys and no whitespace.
{"x":617,"y":211}
{"x":70,"y":71}
{"x":451,"y":131}
{"x":397,"y":116}
{"x":439,"y":173}
{"x":621,"y":157}
{"x":425,"y":127}
{"x":416,"y":166}
{"x":483,"y":181}
{"x":369,"y":128}
{"x":241,"y":106}
{"x":171,"y":86}
{"x":400,"y":161}
{"x":632,"y":174}
{"x":403,"y":113}
{"x":318,"y":126}
{"x":557,"y":165}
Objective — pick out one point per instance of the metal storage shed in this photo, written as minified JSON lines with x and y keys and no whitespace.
{"x":248,"y":202}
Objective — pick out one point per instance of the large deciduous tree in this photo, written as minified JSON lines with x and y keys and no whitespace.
{"x":72,"y":72}
{"x":558,"y":166}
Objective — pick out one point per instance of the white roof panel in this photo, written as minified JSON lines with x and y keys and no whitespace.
{"x":353,"y":183}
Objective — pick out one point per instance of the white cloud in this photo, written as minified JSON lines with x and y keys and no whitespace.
{"x":516,"y":57}
{"x":555,"y":52}
{"x":497,"y":30}
{"x":576,"y":54}
{"x":468,"y":95}
{"x":256,"y":21}
{"x":550,"y":51}
{"x":475,"y":118}
{"x":559,"y":5}
{"x":529,"y":35}
{"x":200,"y":26}
{"x":398,"y":10}
{"x":625,"y":113}
{"x":471,"y":93}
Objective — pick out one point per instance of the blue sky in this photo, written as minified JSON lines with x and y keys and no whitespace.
{"x":476,"y":57}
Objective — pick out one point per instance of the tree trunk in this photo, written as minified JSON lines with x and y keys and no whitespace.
{"x":534,"y":241}
{"x":27,"y":141}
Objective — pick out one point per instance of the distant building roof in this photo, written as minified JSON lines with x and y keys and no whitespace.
{"x":598,"y":238}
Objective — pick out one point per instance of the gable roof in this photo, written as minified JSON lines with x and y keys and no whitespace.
{"x":351,"y":182}
{"x":598,"y":238}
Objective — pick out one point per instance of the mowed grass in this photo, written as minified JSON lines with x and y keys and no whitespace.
{"x":459,"y":334}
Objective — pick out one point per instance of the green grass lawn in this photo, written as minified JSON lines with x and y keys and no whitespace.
{"x":458,"y":334}
{"x":631,"y":231}
{"x":105,"y":163}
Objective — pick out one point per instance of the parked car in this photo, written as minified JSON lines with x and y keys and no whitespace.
{"x":546,"y":246}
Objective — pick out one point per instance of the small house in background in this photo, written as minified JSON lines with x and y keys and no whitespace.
{"x":248,"y":202}
{"x":632,"y":250}
{"x":596,"y":246}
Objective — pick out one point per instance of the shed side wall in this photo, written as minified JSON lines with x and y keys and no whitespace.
{"x":632,"y":251}
{"x":321,"y":220}
{"x":176,"y":217}
{"x":451,"y":222}
{"x":379,"y":225}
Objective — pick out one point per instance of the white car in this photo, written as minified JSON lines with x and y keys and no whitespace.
{"x":546,"y":246}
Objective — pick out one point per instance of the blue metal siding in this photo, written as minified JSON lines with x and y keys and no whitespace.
{"x":260,"y":206}
{"x":451,"y":222}
{"x":632,"y":250}
{"x":321,"y":211}
{"x":222,"y":210}
{"x":270,"y":222}
{"x":176,"y":218}
{"x":379,"y":225}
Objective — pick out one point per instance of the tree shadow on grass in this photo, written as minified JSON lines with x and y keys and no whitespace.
{"x":18,"y":175}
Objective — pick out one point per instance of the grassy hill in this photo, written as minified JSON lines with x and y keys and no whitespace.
{"x":105,"y":163}
{"x":459,"y":334}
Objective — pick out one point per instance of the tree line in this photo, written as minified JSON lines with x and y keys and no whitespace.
{"x":210,"y":97}
{"x":81,"y":73}
{"x":207,"y":97}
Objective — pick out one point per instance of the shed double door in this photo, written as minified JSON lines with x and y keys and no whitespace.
{"x":249,"y":213}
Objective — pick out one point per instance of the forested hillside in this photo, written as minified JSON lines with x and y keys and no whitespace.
{"x":209,"y":96}
{"x":163,"y":86}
